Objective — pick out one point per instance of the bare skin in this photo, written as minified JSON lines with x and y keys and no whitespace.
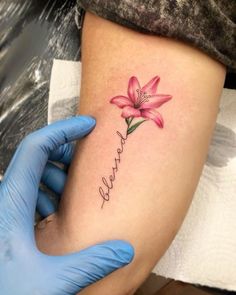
{"x":159,"y":168}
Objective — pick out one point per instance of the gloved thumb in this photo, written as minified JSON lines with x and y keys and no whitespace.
{"x":76,"y":271}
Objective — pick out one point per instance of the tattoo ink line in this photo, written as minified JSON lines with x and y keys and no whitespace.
{"x":109,"y":183}
{"x":141,"y":102}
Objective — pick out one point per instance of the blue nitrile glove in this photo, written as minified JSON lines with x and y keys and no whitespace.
{"x":23,"y":269}
{"x":54,"y":179}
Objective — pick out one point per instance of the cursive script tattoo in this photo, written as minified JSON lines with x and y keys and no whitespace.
{"x":108,"y":183}
{"x":141,"y":102}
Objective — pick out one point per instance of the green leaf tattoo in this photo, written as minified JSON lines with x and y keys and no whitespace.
{"x":133,"y":127}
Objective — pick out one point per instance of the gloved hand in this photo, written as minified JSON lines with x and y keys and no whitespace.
{"x":23,"y":269}
{"x":54,"y":179}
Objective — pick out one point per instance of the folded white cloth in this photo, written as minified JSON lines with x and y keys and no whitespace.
{"x":204,"y":250}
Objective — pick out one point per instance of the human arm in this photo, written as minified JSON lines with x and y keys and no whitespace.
{"x":159,"y":168}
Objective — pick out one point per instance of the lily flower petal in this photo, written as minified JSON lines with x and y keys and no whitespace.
{"x":133,"y":89}
{"x":156,"y":101}
{"x":151,"y":86}
{"x":153,"y":115}
{"x":121,"y":101}
{"x":130,"y":112}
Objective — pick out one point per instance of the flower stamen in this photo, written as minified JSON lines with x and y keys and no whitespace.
{"x":142,"y":98}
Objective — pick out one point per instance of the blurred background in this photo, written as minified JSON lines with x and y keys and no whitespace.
{"x":32,"y":33}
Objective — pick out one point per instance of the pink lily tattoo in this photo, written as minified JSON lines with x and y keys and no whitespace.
{"x":141,"y":102}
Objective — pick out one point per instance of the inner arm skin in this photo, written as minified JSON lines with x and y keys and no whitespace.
{"x":159,"y":168}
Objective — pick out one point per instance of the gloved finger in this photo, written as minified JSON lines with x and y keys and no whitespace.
{"x":63,"y":154}
{"x":54,"y":178}
{"x":83,"y":268}
{"x":26,"y":168}
{"x":45,"y":206}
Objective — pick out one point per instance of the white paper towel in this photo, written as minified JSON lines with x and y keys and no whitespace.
{"x":204,"y":250}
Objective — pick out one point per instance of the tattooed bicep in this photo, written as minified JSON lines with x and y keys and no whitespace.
{"x":138,"y":104}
